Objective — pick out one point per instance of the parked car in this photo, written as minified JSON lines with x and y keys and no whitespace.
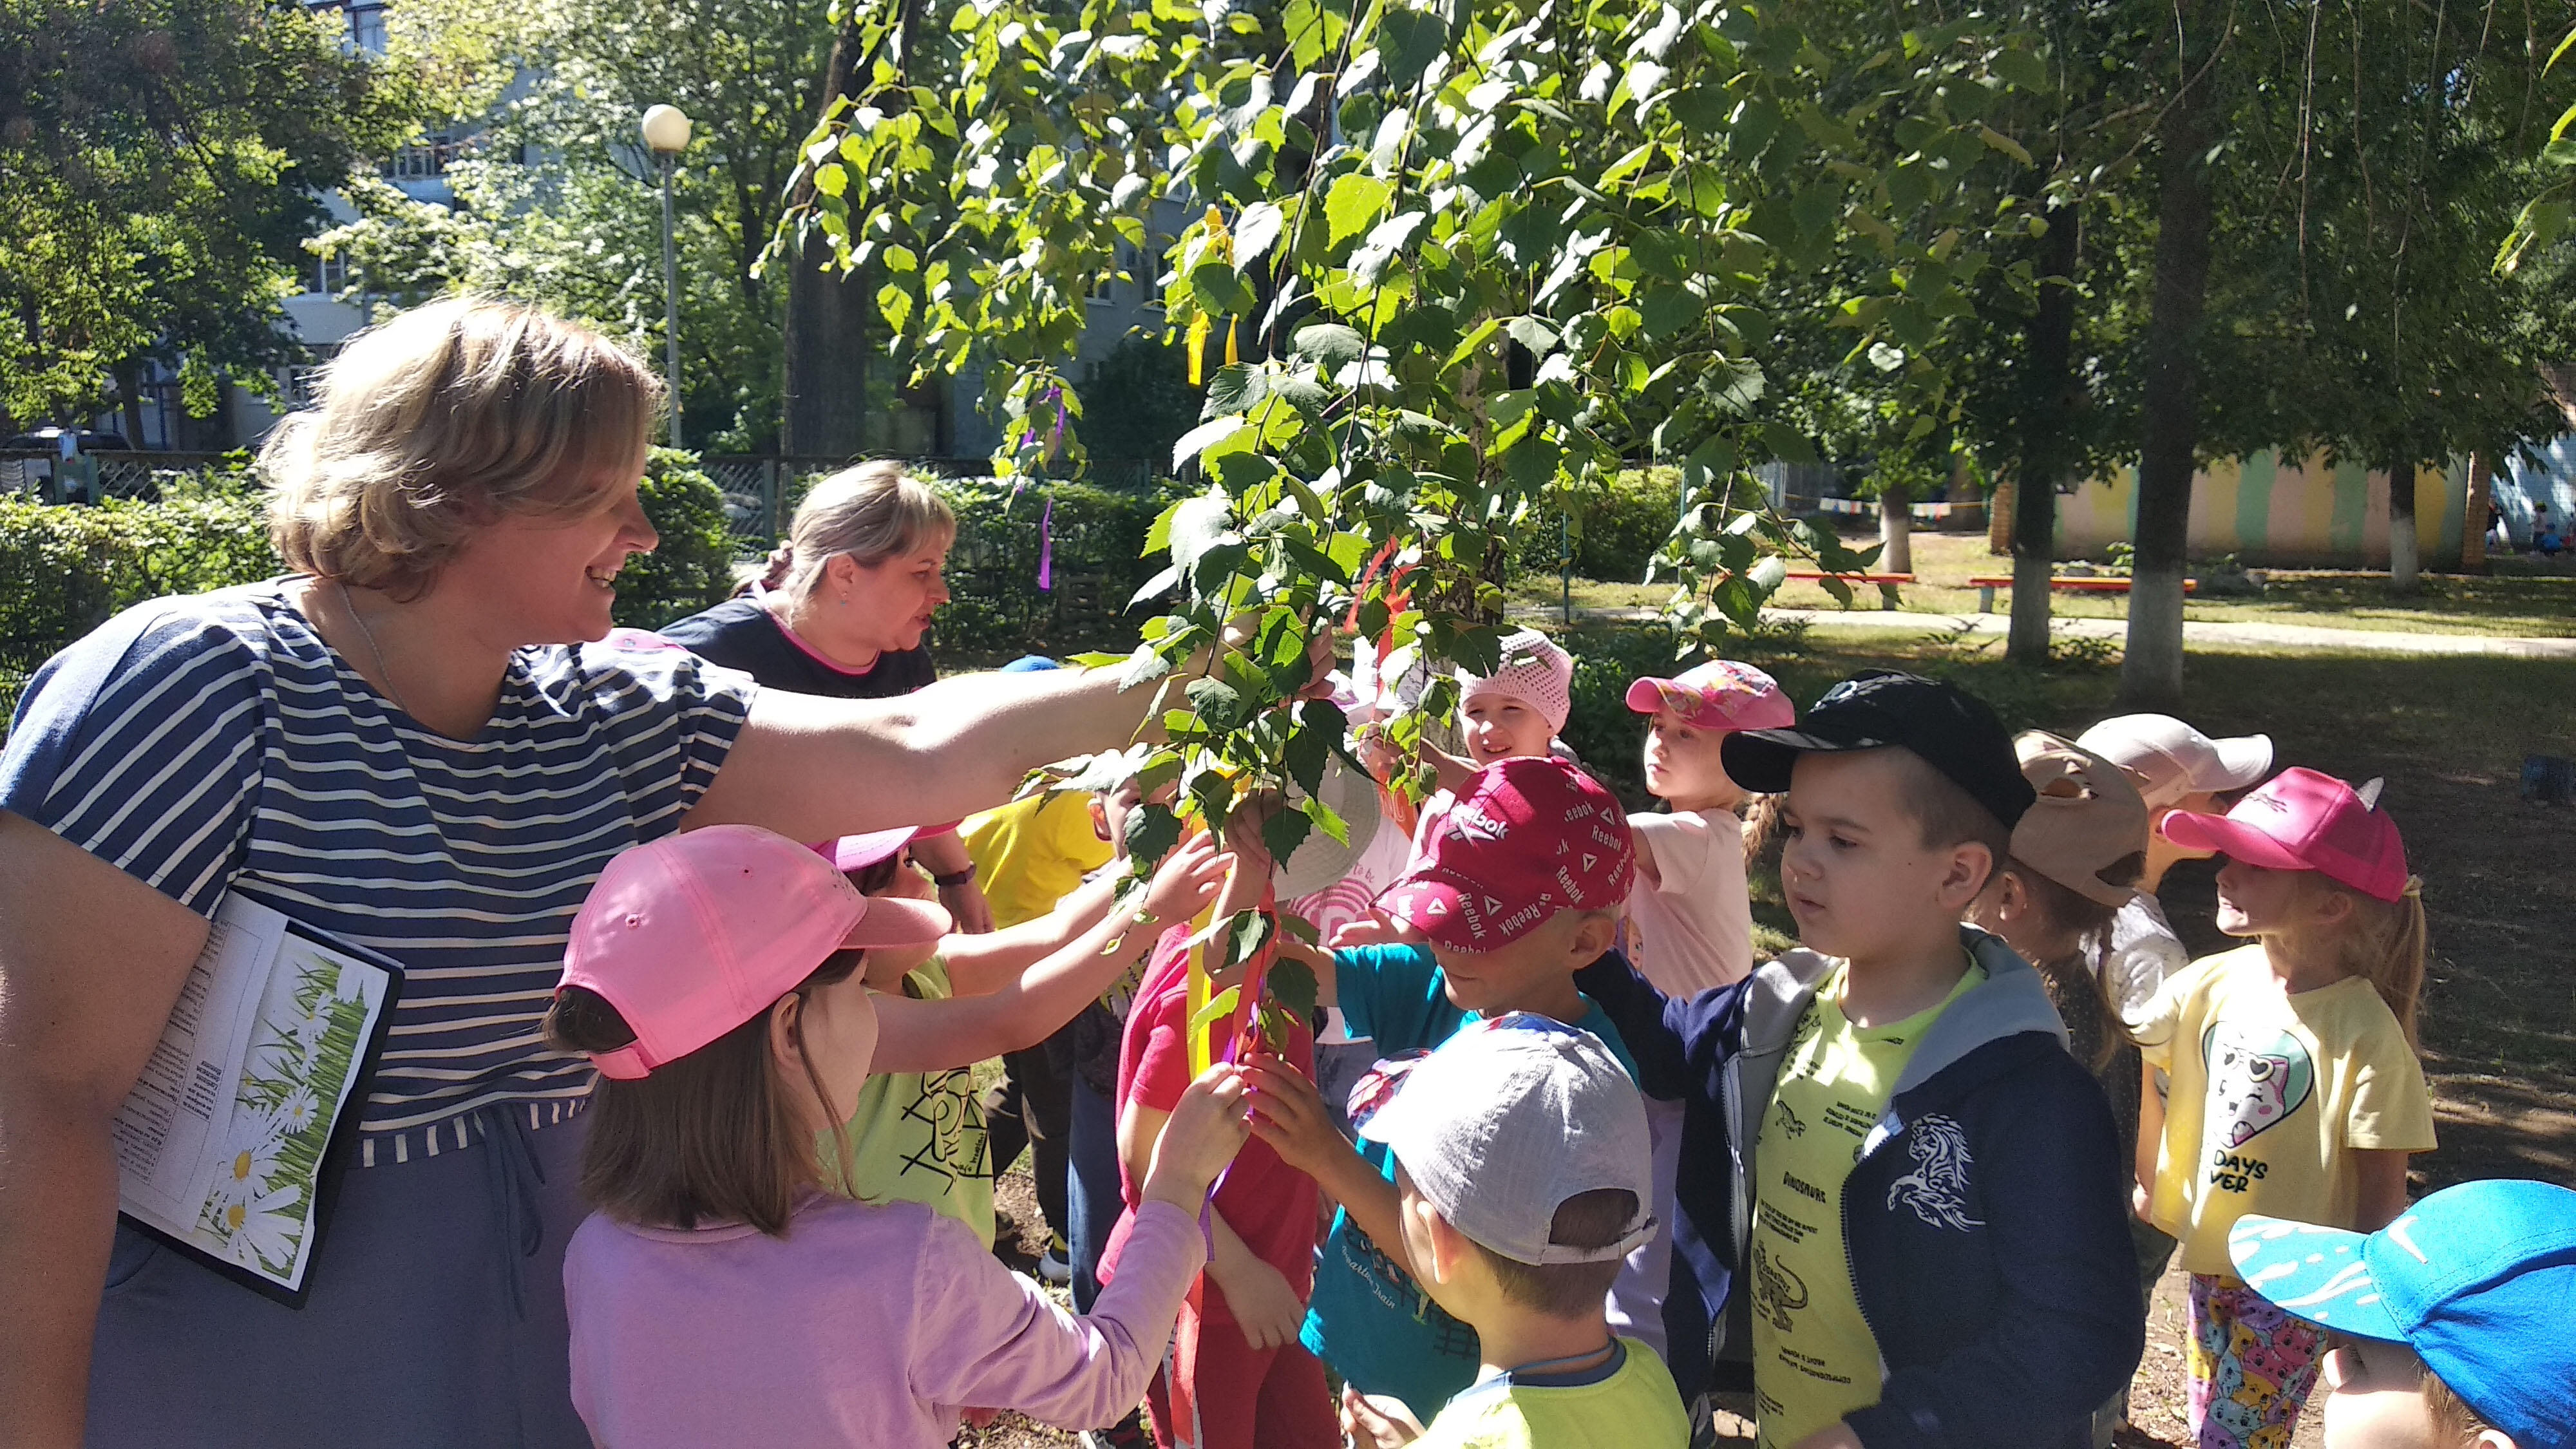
{"x":89,"y":440}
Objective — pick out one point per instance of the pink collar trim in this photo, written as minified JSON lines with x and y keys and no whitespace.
{"x":761,"y":596}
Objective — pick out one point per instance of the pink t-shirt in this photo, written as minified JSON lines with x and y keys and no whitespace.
{"x":1270,"y":1205}
{"x":1691,"y":929}
{"x":862,"y":1326}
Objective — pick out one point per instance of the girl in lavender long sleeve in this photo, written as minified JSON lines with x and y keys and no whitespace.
{"x":717,"y":1295}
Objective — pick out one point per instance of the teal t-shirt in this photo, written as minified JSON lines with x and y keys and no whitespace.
{"x":1367,"y":1317}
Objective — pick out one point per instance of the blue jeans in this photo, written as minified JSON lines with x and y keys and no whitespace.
{"x":1093,"y":1198}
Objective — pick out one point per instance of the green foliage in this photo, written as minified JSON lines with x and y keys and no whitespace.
{"x":160,"y":162}
{"x":558,"y":203}
{"x":65,"y":569}
{"x":1138,"y":402}
{"x":1453,"y":264}
{"x":996,"y":609}
{"x":692,"y":568}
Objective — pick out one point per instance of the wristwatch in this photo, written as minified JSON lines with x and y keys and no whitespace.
{"x":951,"y":882}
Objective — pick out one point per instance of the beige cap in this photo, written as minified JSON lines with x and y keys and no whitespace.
{"x":2088,"y":817}
{"x":2171,"y":760}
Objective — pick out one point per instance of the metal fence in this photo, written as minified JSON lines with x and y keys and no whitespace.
{"x":93,"y":476}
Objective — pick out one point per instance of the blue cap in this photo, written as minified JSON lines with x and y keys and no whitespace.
{"x":2477,"y":1279}
{"x":1030,"y":664}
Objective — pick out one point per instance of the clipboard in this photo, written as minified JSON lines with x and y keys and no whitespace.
{"x":231,"y":1147}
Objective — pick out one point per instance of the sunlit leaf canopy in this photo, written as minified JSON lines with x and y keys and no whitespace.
{"x":1437,"y":268}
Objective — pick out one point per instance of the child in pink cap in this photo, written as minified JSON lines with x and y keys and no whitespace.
{"x":1689,"y":922}
{"x":2296,"y":1090}
{"x":718,"y":1295}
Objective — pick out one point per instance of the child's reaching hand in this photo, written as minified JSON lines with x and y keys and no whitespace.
{"x":1186,"y":881}
{"x":1205,"y":1129}
{"x":1288,"y":1113}
{"x":1377,"y":1423}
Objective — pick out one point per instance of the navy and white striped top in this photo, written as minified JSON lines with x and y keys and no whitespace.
{"x":216,"y":741}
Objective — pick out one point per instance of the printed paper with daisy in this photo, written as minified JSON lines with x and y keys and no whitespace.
{"x":220,"y":1145}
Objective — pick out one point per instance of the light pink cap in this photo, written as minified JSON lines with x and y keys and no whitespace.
{"x":1534,"y":671}
{"x":2304,"y":820}
{"x":698,"y":932}
{"x":1718,"y":695}
{"x":858,"y":852}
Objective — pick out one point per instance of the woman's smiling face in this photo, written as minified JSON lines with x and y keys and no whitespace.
{"x":550,"y":578}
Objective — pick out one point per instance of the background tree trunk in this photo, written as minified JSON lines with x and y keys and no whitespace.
{"x":825,"y":389}
{"x":1896,"y":530}
{"x":2169,"y":411}
{"x":2403,"y":564}
{"x":2473,"y":518}
{"x":2048,"y":395}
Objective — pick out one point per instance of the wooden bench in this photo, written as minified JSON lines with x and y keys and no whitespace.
{"x":1887,"y":583}
{"x":2063,"y":583}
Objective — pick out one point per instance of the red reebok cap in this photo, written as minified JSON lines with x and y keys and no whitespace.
{"x":1529,"y":837}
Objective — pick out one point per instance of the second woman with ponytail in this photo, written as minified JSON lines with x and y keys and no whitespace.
{"x":842,"y":609}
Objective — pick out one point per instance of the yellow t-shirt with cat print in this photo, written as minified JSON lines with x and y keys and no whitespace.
{"x":2272,"y":1093}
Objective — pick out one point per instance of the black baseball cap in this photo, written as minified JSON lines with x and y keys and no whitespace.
{"x":1951,"y":729}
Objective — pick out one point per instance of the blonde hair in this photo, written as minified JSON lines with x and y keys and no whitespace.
{"x":2384,"y":944}
{"x":872,"y":512}
{"x":431,"y":423}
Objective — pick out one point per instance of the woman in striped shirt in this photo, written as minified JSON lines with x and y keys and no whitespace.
{"x":413,"y":743}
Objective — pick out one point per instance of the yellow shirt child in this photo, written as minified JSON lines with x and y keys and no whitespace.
{"x":2271,"y":1095}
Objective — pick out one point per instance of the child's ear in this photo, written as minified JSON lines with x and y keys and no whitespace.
{"x":1100,"y":818}
{"x":1594,"y":933}
{"x":1449,"y":1247}
{"x":1971,"y":866}
{"x":783,"y":1016}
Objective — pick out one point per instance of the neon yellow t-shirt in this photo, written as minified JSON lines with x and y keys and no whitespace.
{"x":1636,"y":1407}
{"x":919,"y":1137}
{"x":2271,"y":1092}
{"x":1814,"y":1358}
{"x":1031,"y":853}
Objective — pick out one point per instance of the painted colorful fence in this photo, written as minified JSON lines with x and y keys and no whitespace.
{"x":2268,"y":512}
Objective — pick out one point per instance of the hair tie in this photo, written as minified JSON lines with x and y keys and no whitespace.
{"x":2415,"y":888}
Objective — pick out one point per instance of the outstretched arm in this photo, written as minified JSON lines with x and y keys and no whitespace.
{"x":980,"y":964}
{"x":938,"y":1036}
{"x":814,"y":768}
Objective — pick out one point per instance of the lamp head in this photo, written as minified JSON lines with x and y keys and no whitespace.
{"x":666,"y":129}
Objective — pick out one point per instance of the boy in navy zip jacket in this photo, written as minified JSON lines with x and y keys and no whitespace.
{"x":1901,"y":1202}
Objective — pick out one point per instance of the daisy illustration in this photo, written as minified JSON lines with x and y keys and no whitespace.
{"x":264,"y":1231}
{"x":299,"y":1110}
{"x":245,"y":1175}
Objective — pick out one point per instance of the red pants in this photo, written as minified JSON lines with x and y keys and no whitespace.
{"x":1251,"y":1399}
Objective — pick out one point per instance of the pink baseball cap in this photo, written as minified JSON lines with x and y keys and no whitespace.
{"x":698,"y":932}
{"x":1526,"y":839}
{"x":858,"y":852}
{"x":1718,"y":695}
{"x":2303,"y":820}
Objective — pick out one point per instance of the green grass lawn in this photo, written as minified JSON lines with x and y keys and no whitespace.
{"x":2518,"y":600}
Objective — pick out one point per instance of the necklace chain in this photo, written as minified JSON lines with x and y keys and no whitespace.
{"x":383,"y":671}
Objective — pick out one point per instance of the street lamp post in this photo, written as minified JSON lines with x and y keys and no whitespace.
{"x":666,"y":131}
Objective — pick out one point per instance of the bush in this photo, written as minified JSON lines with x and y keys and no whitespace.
{"x":64,"y":569}
{"x":1617,"y":528}
{"x":692,"y":569}
{"x":996,"y":611}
